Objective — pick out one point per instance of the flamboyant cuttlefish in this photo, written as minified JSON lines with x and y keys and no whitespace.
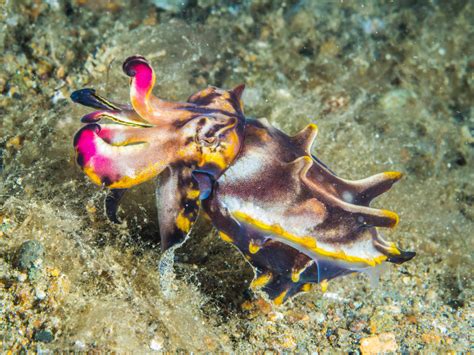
{"x":293,"y":219}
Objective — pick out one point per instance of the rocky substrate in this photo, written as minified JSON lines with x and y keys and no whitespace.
{"x":390,"y":87}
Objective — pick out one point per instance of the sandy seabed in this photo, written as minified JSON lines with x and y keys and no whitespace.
{"x":390,"y":87}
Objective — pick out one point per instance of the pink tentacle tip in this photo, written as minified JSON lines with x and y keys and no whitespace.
{"x":84,"y":142}
{"x":131,"y":65}
{"x":143,"y":78}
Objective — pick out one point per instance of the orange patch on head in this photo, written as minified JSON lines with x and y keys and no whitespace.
{"x":224,"y":154}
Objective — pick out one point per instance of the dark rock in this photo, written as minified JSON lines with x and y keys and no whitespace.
{"x":44,"y":336}
{"x":30,"y":258}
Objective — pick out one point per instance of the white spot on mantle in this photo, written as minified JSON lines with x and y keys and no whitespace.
{"x":348,"y":196}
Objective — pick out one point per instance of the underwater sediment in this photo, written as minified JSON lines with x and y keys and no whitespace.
{"x":390,"y":87}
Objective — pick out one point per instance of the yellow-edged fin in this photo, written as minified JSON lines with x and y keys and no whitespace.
{"x":295,"y":275}
{"x":260,"y":281}
{"x":253,"y":247}
{"x":392,"y":215}
{"x":225,"y":237}
{"x":280,"y":298}
{"x":307,"y":287}
{"x":393,"y":250}
{"x":393,"y":175}
{"x":324,"y":285}
{"x":306,"y":242}
{"x":305,"y":138}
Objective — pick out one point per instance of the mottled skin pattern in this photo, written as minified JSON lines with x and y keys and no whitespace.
{"x":294,"y":220}
{"x":185,"y":143}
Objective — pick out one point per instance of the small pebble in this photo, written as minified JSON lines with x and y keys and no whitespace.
{"x":431,"y":338}
{"x":275,"y":316}
{"x":54,"y":272}
{"x":15,"y":142}
{"x":289,"y":342}
{"x":40,"y":294}
{"x":30,"y":258}
{"x":79,"y":345}
{"x":396,"y":99}
{"x":173,"y":6}
{"x":319,"y":317}
{"x":44,"y":336}
{"x":156,"y":345}
{"x":381,"y":343}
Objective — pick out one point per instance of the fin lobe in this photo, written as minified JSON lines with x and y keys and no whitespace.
{"x":373,"y":186}
{"x":305,"y":138}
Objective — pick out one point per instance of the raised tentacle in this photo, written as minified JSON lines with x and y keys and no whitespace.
{"x":148,"y":106}
{"x":112,"y":201}
{"x":88,"y":97}
{"x":125,"y":117}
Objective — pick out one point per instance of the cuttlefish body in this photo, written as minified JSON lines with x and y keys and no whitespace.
{"x":294,"y":220}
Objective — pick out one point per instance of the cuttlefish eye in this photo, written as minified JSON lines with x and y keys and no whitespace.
{"x":208,"y":131}
{"x":209,"y":141}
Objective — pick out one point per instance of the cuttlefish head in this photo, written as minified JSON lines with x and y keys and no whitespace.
{"x":143,"y":139}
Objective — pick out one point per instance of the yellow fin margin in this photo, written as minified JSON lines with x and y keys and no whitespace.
{"x":260,"y":281}
{"x":307,"y":242}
